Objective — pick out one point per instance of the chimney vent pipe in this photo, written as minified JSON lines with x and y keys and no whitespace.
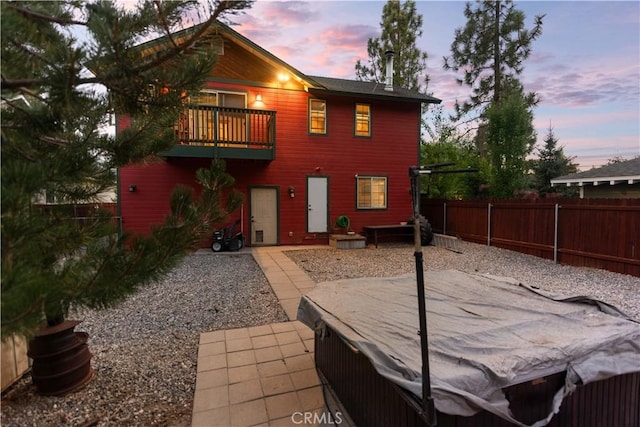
{"x":389,"y":73}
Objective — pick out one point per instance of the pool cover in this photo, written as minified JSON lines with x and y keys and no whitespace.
{"x":485,"y":333}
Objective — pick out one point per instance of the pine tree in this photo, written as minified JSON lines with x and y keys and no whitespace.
{"x":510,"y":137}
{"x":552,"y":163}
{"x":401,"y":26}
{"x":491,"y":49}
{"x":65,"y":66}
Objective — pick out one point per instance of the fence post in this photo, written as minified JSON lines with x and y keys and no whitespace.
{"x":489,"y":224}
{"x":444,"y":225}
{"x":555,"y":234}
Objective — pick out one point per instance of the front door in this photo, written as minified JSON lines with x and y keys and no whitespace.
{"x":317,"y":204}
{"x":264,"y":216}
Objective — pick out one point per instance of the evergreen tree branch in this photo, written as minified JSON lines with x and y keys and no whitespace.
{"x":221,"y":6}
{"x":46,"y":18}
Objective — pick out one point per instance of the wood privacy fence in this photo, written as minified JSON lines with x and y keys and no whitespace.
{"x":598,"y":233}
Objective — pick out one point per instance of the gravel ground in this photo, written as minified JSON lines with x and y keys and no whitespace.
{"x":145,"y":350}
{"x":620,"y":290}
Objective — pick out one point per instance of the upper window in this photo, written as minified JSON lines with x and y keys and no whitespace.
{"x":363,"y":120}
{"x":317,"y":116}
{"x":371,"y":192}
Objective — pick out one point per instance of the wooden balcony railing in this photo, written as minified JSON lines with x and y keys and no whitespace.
{"x":209,"y":131}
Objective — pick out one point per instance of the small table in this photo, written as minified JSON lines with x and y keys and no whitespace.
{"x":395,"y":229}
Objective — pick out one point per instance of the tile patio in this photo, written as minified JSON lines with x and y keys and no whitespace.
{"x":261,"y":375}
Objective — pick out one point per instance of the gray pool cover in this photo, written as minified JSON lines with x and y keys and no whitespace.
{"x":485,"y":333}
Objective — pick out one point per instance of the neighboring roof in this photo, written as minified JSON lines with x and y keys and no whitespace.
{"x":614,"y":173}
{"x":370,"y":89}
{"x":317,"y":85}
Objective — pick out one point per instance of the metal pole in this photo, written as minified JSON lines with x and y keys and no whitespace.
{"x":444,"y":226}
{"x":555,"y":234}
{"x":489,"y":225}
{"x":428,"y":405}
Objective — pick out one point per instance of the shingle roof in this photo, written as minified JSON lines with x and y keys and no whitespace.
{"x":316,"y":84}
{"x":628,"y":170}
{"x":370,"y":89}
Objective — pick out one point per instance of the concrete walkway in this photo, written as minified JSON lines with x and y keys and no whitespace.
{"x":262,"y":375}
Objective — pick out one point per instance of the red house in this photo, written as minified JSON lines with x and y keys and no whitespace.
{"x":303,"y":149}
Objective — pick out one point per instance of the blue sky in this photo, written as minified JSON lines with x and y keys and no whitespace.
{"x":585,"y":66}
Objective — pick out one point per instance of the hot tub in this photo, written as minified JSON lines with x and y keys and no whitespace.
{"x":500,"y":353}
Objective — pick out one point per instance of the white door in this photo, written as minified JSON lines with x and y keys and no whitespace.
{"x":317,"y":204}
{"x":264,"y":216}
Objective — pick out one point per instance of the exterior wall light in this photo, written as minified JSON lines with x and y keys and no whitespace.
{"x":132,"y":188}
{"x":258,"y":101}
{"x":292,"y":191}
{"x":283,"y":77}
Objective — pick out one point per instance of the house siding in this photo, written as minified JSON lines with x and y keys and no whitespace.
{"x":606,"y":191}
{"x":338,"y":155}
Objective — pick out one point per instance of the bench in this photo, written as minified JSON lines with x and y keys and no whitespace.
{"x":393,"y":230}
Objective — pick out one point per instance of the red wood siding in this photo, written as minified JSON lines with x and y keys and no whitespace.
{"x":339,"y":155}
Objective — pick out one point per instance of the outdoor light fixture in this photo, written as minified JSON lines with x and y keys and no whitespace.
{"x":132,"y":188}
{"x":292,"y":191}
{"x":258,"y":101}
{"x":283,"y":77}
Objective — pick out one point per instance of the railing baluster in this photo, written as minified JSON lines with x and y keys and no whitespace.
{"x":233,"y":127}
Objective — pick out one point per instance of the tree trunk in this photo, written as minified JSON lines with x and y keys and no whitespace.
{"x":496,"y":56}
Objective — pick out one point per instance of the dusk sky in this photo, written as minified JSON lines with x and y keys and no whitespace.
{"x":585,"y":66}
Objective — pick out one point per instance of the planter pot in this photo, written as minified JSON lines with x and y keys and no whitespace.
{"x":61,"y":359}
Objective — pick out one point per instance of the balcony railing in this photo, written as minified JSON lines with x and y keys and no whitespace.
{"x":224,"y":132}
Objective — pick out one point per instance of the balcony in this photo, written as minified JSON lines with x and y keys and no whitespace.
{"x":225,"y":133}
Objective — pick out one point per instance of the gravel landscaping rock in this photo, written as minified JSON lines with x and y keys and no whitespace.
{"x":145,"y":350}
{"x":620,"y":290}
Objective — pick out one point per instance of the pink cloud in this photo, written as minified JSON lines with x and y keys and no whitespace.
{"x":347,"y":37}
{"x":287,"y":13}
{"x":582,"y":118}
{"x":587,"y":82}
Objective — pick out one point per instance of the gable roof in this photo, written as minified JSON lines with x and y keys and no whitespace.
{"x":314,"y":84}
{"x":615,"y":173}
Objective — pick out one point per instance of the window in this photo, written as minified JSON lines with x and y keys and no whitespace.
{"x":363,"y":120}
{"x":317,"y":116}
{"x":204,"y":121}
{"x":371,"y":192}
{"x":201,"y":120}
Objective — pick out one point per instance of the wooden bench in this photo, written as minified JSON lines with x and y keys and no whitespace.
{"x":393,"y":230}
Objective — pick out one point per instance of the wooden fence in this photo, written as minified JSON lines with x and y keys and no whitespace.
{"x":14,"y":360}
{"x":598,"y":233}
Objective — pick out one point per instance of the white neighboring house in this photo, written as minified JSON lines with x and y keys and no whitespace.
{"x":107,"y":197}
{"x":620,"y":180}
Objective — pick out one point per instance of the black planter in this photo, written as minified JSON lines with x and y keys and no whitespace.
{"x":61,"y":359}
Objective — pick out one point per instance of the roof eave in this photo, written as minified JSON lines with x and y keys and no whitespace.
{"x":595,"y":181}
{"x":380,"y":96}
